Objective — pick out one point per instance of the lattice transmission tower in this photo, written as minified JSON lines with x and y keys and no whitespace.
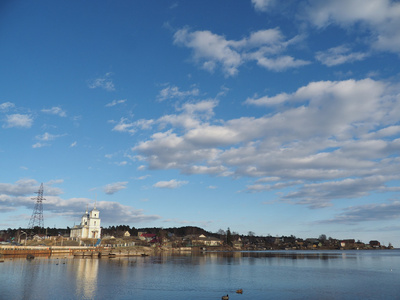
{"x":37,"y":215}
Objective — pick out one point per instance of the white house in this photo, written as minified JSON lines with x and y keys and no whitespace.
{"x":89,"y":227}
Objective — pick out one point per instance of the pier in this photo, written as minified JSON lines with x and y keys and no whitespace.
{"x":75,"y":251}
{"x":49,"y":251}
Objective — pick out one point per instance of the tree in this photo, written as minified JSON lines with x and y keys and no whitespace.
{"x":229,"y":237}
{"x":221,"y":232}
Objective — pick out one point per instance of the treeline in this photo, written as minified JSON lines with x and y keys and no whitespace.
{"x":119,"y":230}
{"x":228,"y":237}
{"x":11,"y":233}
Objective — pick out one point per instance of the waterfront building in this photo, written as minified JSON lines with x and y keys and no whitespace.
{"x":89,"y":228}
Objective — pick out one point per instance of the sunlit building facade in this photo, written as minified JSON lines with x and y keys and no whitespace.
{"x":89,"y":228}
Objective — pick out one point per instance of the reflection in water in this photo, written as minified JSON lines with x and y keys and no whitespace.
{"x":261,"y":275}
{"x":284,"y":254}
{"x":86,"y":277}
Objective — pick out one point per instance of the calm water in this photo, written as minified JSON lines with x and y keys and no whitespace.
{"x":261,"y":275}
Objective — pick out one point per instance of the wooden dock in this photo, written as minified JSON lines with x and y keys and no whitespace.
{"x":75,"y":251}
{"x":21,"y":251}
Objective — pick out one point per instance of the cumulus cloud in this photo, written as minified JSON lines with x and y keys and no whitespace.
{"x":111,"y":211}
{"x":20,"y":188}
{"x":18,"y":120}
{"x":26,"y":187}
{"x":104,"y":82}
{"x":55,"y":111}
{"x":211,"y":50}
{"x":22,"y":194}
{"x":381,"y":18}
{"x":325,"y":137}
{"x":172,"y":184}
{"x":112,"y":188}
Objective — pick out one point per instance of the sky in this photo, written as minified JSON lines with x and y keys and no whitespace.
{"x":276,"y":117}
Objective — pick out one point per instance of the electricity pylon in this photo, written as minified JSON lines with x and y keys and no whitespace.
{"x":37,"y":215}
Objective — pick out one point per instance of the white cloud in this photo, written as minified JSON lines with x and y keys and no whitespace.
{"x":104,"y":82}
{"x":173,"y":92}
{"x":268,"y":101}
{"x":20,"y":188}
{"x":326,"y":131}
{"x":26,"y":187}
{"x":318,"y":195}
{"x":112,"y":188}
{"x":55,"y":111}
{"x":339,"y":55}
{"x":125,"y":126}
{"x":40,"y":145}
{"x":115,"y":102}
{"x":269,"y":187}
{"x":191,"y":114}
{"x":211,"y":48}
{"x":280,"y":63}
{"x":48,"y":137}
{"x":6,"y":106}
{"x":380,"y":17}
{"x":172,"y":184}
{"x":268,"y":179}
{"x":144,"y":124}
{"x":265,"y":47}
{"x":74,"y":144}
{"x":111,"y":211}
{"x":365,"y":213}
{"x":262,"y":5}
{"x":18,"y":120}
{"x":20,"y":195}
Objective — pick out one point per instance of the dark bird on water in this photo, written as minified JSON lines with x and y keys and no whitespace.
{"x":225,"y":297}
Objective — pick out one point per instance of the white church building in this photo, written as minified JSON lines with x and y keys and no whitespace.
{"x":89,"y":228}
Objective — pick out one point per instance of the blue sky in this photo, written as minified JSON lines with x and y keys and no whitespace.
{"x":277,"y":118}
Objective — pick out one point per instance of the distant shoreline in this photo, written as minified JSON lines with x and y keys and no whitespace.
{"x":115,"y":252}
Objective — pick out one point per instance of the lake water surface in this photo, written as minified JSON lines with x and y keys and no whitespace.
{"x":261,"y":275}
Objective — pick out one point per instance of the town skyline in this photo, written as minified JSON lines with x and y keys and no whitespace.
{"x":277,"y":118}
